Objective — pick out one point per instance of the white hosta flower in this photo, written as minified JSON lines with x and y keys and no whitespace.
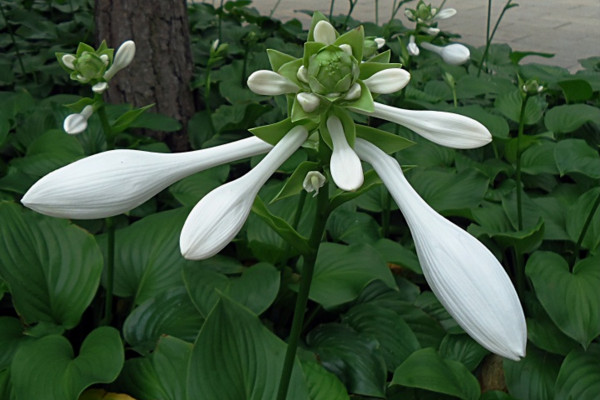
{"x":412,"y":47}
{"x":117,"y":181}
{"x":220,"y":215}
{"x":444,"y":128}
{"x":464,"y":275}
{"x":100,"y":87}
{"x":77,"y":123}
{"x":123,"y":58}
{"x":324,"y":32}
{"x":453,"y":54}
{"x":345,"y":166}
{"x":388,"y":80}
{"x":313,"y":181}
{"x":308,"y":101}
{"x":431,"y":31}
{"x":380,"y":42}
{"x":445,"y":13}
{"x":270,"y":83}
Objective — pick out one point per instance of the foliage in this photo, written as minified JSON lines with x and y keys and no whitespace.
{"x":216,"y":328}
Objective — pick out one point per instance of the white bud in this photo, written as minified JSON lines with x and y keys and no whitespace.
{"x":388,"y":80}
{"x":412,"y":47}
{"x":380,"y":42}
{"x":270,"y":83}
{"x":431,"y":31}
{"x":324,"y":32}
{"x":445,"y":13}
{"x":453,"y":54}
{"x":68,"y":60}
{"x":354,"y":92}
{"x":346,"y":48}
{"x":313,"y":182}
{"x":302,"y":74}
{"x":77,"y":123}
{"x":104,"y":59}
{"x":308,"y":101}
{"x":123,"y":58}
{"x":100,"y":87}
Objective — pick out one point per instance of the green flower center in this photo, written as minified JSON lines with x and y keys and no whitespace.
{"x":332,"y":71}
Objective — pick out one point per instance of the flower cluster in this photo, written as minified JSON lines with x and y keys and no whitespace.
{"x":329,"y":81}
{"x":94,"y":67}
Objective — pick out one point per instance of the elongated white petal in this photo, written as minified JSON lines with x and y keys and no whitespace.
{"x":324,"y":32}
{"x":464,"y":275}
{"x":445,"y":13}
{"x":388,"y":80}
{"x":220,"y":215}
{"x":453,"y":54}
{"x":116,"y":181}
{"x":123,"y":57}
{"x":345,"y":166}
{"x":444,"y":128}
{"x":354,"y":92}
{"x":270,"y":83}
{"x":412,"y":47}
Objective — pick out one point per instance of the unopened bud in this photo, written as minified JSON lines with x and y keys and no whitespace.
{"x":313,"y":182}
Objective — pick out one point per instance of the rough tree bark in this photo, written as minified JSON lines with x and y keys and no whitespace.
{"x":162,"y":68}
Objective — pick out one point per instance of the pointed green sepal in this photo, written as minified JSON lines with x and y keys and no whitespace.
{"x":277,"y":59}
{"x":367,"y":69}
{"x":363,"y":103}
{"x":311,"y":48}
{"x":371,"y":180}
{"x":290,"y":71}
{"x":347,"y":123}
{"x":356,"y":39}
{"x":383,"y":57}
{"x":386,"y":141}
{"x":80,"y":104}
{"x":84,"y":47}
{"x":125,"y":120}
{"x":298,"y":113}
{"x":294,"y":184}
{"x":274,"y":132}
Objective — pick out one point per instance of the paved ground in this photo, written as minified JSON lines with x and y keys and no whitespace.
{"x":569,"y":29}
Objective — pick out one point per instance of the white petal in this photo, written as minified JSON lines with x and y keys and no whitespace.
{"x":313,"y":181}
{"x":270,"y":83}
{"x":116,"y":181}
{"x":67,"y":60}
{"x":445,"y":13}
{"x":412,"y":47}
{"x":354,"y":92}
{"x":432,"y":31}
{"x":464,"y":275}
{"x":388,"y":80}
{"x":75,"y":123}
{"x":302,"y":74}
{"x":346,"y":48}
{"x":123,"y":58}
{"x":100,"y":87}
{"x":345,"y":166}
{"x":380,"y":42}
{"x":324,"y":32}
{"x":220,"y":215}
{"x":444,"y":128}
{"x":308,"y":101}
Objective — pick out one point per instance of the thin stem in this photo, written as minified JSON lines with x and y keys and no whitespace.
{"x":376,"y":12}
{"x":220,"y":17}
{"x":108,"y":132}
{"x":331,"y":4}
{"x":519,"y":271}
{"x":586,"y":226}
{"x":110,"y":272}
{"x":352,"y":4}
{"x":274,"y":8}
{"x":308,"y":268}
{"x":518,"y":167}
{"x":490,"y":37}
{"x":385,"y":215}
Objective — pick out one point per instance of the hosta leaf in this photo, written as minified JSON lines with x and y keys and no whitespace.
{"x":341,"y":272}
{"x":48,"y":369}
{"x":51,"y":266}
{"x":533,"y":376}
{"x":571,"y":298}
{"x":579,"y":375}
{"x":236,"y":357}
{"x":322,"y":384}
{"x":510,"y":105}
{"x":577,"y":216}
{"x":190,"y":190}
{"x":569,"y":117}
{"x":463,"y":349}
{"x":426,"y":369}
{"x":169,"y":313}
{"x":355,"y":360}
{"x":575,"y":155}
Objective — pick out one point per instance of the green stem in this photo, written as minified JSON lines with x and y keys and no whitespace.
{"x":376,"y":12}
{"x":352,"y":4}
{"x":110,"y":272}
{"x":489,"y":37}
{"x":302,"y":300}
{"x":108,"y":132}
{"x":518,"y":167}
{"x":586,"y":226}
{"x":519,"y":273}
{"x":274,"y":8}
{"x":331,"y":4}
{"x":220,"y":17}
{"x":385,"y":215}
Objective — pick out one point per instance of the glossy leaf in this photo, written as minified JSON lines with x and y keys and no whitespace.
{"x":322,"y":384}
{"x":579,"y":375}
{"x":190,"y":190}
{"x":570,"y":117}
{"x":533,"y":376}
{"x":571,"y":298}
{"x":575,"y":155}
{"x":51,"y":266}
{"x":48,"y":369}
{"x":510,"y":105}
{"x":577,"y":215}
{"x":463,"y":349}
{"x":236,"y":357}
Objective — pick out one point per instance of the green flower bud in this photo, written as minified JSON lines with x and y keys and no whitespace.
{"x":88,"y":67}
{"x":532,"y":87}
{"x":369,"y":48}
{"x":332,"y":71}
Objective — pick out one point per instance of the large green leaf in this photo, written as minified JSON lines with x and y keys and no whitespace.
{"x":341,"y":272}
{"x":236,"y":357}
{"x":356,"y":360}
{"x":322,"y":384}
{"x":575,"y":155}
{"x":572,"y":299}
{"x":347,"y":225}
{"x":533,"y":376}
{"x":577,"y":216}
{"x":52,"y":267}
{"x":256,"y":288}
{"x":11,"y":336}
{"x":169,"y":313}
{"x":570,"y":117}
{"x":190,"y":190}
{"x":426,"y":369}
{"x":48,"y":369}
{"x":579,"y":375}
{"x":510,"y":105}
{"x":396,"y":340}
{"x":463,"y":349}
{"x":147,"y":257}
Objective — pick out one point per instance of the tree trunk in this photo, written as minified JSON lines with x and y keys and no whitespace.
{"x":162,"y":68}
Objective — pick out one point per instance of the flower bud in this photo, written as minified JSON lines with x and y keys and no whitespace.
{"x":354,"y":92}
{"x":332,"y":70}
{"x":270,"y":83}
{"x":445,"y":13}
{"x":412,"y":47}
{"x":77,"y":123}
{"x":532,"y":87}
{"x":453,"y":54}
{"x":123,"y":58}
{"x":387,"y":81}
{"x":88,"y":67}
{"x":68,"y":61}
{"x":324,"y":32}
{"x":313,"y":182}
{"x":308,"y":101}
